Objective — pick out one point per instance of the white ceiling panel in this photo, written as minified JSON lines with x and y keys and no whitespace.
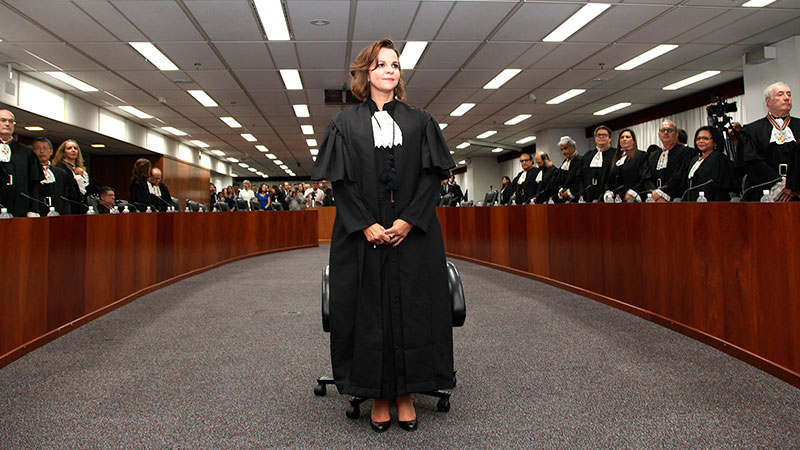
{"x":505,"y":96}
{"x":473,"y":21}
{"x":213,"y":79}
{"x":63,"y":56}
{"x":429,"y":79}
{"x":606,"y":28}
{"x":620,"y":79}
{"x":65,"y":20}
{"x":533,"y":21}
{"x":728,"y":58}
{"x":303,"y":12}
{"x":226,"y":20}
{"x":731,"y":16}
{"x":245,"y":55}
{"x":378,"y":19}
{"x":321,"y":55}
{"x":18,"y":55}
{"x":284,"y":55}
{"x":748,"y":26}
{"x":161,"y":20}
{"x":16,"y":28}
{"x":149,"y":80}
{"x":110,"y":18}
{"x":530,"y":59}
{"x":326,"y":79}
{"x":615,"y":55}
{"x":429,"y":20}
{"x":498,"y":54}
{"x":115,"y":55}
{"x":531,"y":79}
{"x":767,"y":36}
{"x":472,"y":79}
{"x":673,"y":24}
{"x":260,"y":79}
{"x":568,"y":55}
{"x":446,"y":55}
{"x":188,"y":55}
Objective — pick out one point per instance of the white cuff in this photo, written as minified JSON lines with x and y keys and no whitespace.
{"x":608,"y":197}
{"x":569,"y":194}
{"x":634,"y":195}
{"x":663,"y":195}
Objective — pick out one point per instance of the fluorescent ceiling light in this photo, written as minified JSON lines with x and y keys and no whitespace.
{"x":651,"y":54}
{"x":486,"y":134}
{"x":307,"y":129}
{"x":301,"y":110}
{"x":174,"y":131}
{"x":270,"y":12}
{"x":311,"y":142}
{"x":442,"y":126}
{"x":452,"y":152}
{"x":271,"y":156}
{"x":314,"y":158}
{"x":231,"y":122}
{"x":463,"y":161}
{"x":462,"y":109}
{"x":72,"y":81}
{"x":99,"y":145}
{"x":314,"y":152}
{"x":757,"y":3}
{"x":153,"y":55}
{"x":252,"y":169}
{"x":278,"y":162}
{"x":411,"y":53}
{"x":691,"y":80}
{"x":527,"y":139}
{"x":218,"y":152}
{"x":462,"y":145}
{"x":291,"y":78}
{"x":34,"y":128}
{"x":502,"y":78}
{"x":204,"y":99}
{"x":612,"y":108}
{"x":245,"y":165}
{"x":233,"y":160}
{"x":249,"y":137}
{"x":135,"y":112}
{"x":518,"y":119}
{"x":284,"y":167}
{"x":576,"y":22}
{"x":262,"y":148}
{"x":566,"y":96}
{"x":199,"y":143}
{"x":497,"y":150}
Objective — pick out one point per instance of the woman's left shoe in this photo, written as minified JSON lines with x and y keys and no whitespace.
{"x":410,"y":425}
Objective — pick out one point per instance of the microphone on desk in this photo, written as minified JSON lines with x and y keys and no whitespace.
{"x":74,"y":202}
{"x":35,"y":199}
{"x":766,"y":183}
{"x":693,"y":188}
{"x":169,"y":205}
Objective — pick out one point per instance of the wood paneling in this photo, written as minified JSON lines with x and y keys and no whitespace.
{"x":325,"y":217}
{"x":725,"y":274}
{"x":186,"y":181}
{"x":61,"y":272}
{"x":115,"y":171}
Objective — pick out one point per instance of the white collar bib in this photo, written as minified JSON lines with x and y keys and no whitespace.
{"x":385,"y":131}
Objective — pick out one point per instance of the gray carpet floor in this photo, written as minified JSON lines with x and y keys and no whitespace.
{"x":227,"y":359}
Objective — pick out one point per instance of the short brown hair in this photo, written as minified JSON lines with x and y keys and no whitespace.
{"x":602,"y":127}
{"x":359,"y":70}
{"x":141,"y":168}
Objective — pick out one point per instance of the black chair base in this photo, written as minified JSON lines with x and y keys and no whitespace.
{"x":354,"y":410}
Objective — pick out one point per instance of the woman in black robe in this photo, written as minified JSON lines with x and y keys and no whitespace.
{"x":630,"y":173}
{"x":140,"y":192}
{"x":390,"y":314}
{"x":711,"y":172}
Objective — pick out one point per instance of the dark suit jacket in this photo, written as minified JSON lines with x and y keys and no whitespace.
{"x":21,"y":174}
{"x":140,"y":194}
{"x":51,"y":193}
{"x":526,"y":191}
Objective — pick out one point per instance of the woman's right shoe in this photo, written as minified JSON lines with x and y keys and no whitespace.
{"x":409,"y":425}
{"x":380,"y":427}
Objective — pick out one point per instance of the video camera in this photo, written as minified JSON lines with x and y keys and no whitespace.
{"x":718,"y":111}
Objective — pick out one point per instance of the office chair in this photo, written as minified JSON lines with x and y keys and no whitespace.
{"x":446,"y":200}
{"x":490,"y":197}
{"x":254,"y":205}
{"x":92,"y":200}
{"x":222,"y":206}
{"x":242,"y":205}
{"x":193,"y":205}
{"x":177,"y":204}
{"x":459,"y":315}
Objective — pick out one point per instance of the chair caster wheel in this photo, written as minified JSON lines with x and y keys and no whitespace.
{"x":353,"y":412}
{"x":443,"y":405}
{"x":320,"y":390}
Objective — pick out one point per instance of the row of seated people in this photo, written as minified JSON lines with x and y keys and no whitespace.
{"x":275,"y":198}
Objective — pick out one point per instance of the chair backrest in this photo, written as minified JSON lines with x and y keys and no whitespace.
{"x":490,"y":197}
{"x":203,"y":207}
{"x":242,"y":204}
{"x":254,"y":205}
{"x":91,"y":200}
{"x":446,"y":200}
{"x":193,"y":205}
{"x":121,"y":204}
{"x":222,"y":206}
{"x":176,"y":203}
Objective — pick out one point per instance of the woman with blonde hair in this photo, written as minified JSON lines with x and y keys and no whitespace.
{"x":69,"y":157}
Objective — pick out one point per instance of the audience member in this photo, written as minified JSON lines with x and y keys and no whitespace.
{"x":295,"y":200}
{"x":630,"y":173}
{"x":107,"y":200}
{"x":597,"y":164}
{"x":524,"y":184}
{"x":213,"y":197}
{"x":20,"y":172}
{"x":264,"y":199}
{"x":69,"y":157}
{"x":158,"y":190}
{"x":230,"y":197}
{"x":314,"y":195}
{"x":328,"y":200}
{"x":285,"y":191}
{"x":547,"y":180}
{"x":449,"y":186}
{"x":54,"y":179}
{"x":572,"y":181}
{"x":711,"y":172}
{"x":140,"y":191}
{"x":669,"y":165}
{"x":246,"y":193}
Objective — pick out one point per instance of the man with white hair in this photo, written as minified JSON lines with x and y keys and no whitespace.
{"x":669,"y":164}
{"x":570,"y":187}
{"x":770,"y":150}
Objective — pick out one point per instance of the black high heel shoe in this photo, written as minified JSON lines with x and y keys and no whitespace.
{"x":410,"y":425}
{"x":380,"y":427}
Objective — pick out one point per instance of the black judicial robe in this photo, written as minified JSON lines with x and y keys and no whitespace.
{"x":73,"y":192}
{"x":594,"y":178}
{"x":404,"y":287}
{"x":634,"y":174}
{"x":52,"y":192}
{"x":572,"y":178}
{"x":670,"y":178}
{"x":527,"y":190}
{"x":716,"y":167}
{"x":505,"y":194}
{"x":762,"y":158}
{"x":21,"y":174}
{"x":140,"y":195}
{"x":548,"y":187}
{"x":165,"y":195}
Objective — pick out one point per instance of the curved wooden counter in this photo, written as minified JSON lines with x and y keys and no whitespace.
{"x":61,"y":272}
{"x":726,"y":274}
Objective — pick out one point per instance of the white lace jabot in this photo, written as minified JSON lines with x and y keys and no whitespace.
{"x":385,"y":131}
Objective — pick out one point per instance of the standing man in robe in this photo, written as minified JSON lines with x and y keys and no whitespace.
{"x":547,"y":180}
{"x":54,"y":179}
{"x":597,"y":164}
{"x":770,"y":148}
{"x":158,"y":190}
{"x":20,"y":171}
{"x":524,"y":184}
{"x":572,"y":181}
{"x":670,"y":164}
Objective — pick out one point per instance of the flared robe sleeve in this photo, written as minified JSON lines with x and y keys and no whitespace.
{"x":436,"y":164}
{"x":333,"y":164}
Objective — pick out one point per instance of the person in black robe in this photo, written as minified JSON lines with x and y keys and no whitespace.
{"x":19,"y":171}
{"x":571,"y":179}
{"x":547,"y":180}
{"x":669,"y":164}
{"x":140,"y":191}
{"x":390,"y":313}
{"x":505,"y":191}
{"x":596,"y":165}
{"x":159,"y":193}
{"x":711,"y":172}
{"x":524,"y":184}
{"x":770,"y":150}
{"x":53,"y":186}
{"x":68,"y":157}
{"x":630,"y":173}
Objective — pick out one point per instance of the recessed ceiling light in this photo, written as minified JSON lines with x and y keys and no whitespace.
{"x":757,"y":3}
{"x":231,"y":122}
{"x":277,"y":162}
{"x":270,"y":12}
{"x":245,"y":165}
{"x":291,"y":78}
{"x":135,"y":112}
{"x":320,"y":22}
{"x":199,"y":143}
{"x":486,"y":134}
{"x":462,"y":109}
{"x":262,"y":148}
{"x":72,"y":81}
{"x":463,"y":161}
{"x":691,"y":80}
{"x":271,"y":156}
{"x":218,"y":152}
{"x":252,"y":169}
{"x":442,"y":126}
{"x":497,"y":150}
{"x":566,"y":96}
{"x":153,"y":55}
{"x":518,"y":119}
{"x":462,"y":145}
{"x":249,"y":137}
{"x":32,"y":128}
{"x":284,"y":167}
{"x":204,"y":99}
{"x":233,"y":160}
{"x":527,"y":139}
{"x":301,"y":110}
{"x":314,"y":158}
{"x":307,"y":129}
{"x":576,"y":22}
{"x":649,"y":55}
{"x":314,"y":152}
{"x":174,"y":131}
{"x":411,"y":53}
{"x":99,"y":145}
{"x":502,"y":78}
{"x":311,"y":142}
{"x":612,"y":108}
{"x":452,"y":152}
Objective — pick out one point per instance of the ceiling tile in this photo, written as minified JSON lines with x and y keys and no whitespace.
{"x":378,"y":19}
{"x":65,"y":20}
{"x":337,"y":12}
{"x":473,"y":21}
{"x":161,"y":20}
{"x":446,"y":55}
{"x":245,"y":55}
{"x":226,"y":20}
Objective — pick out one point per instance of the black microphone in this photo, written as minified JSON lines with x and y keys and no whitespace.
{"x":140,"y":206}
{"x":695,"y":187}
{"x":74,"y":202}
{"x":163,"y":201}
{"x":35,"y":199}
{"x":744,"y":192}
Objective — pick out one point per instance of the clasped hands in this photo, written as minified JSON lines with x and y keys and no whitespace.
{"x":377,"y":235}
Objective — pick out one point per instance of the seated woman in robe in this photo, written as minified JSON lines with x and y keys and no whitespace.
{"x":630,"y":173}
{"x":711,"y":172}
